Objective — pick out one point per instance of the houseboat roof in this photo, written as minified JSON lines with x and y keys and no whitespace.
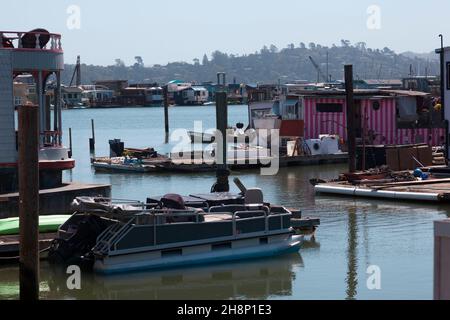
{"x":197,"y":88}
{"x":362,"y":92}
{"x":71,"y":89}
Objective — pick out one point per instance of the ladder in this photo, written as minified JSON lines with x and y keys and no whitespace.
{"x":111,"y":234}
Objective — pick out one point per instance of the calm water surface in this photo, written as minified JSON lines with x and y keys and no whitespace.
{"x":397,"y":237}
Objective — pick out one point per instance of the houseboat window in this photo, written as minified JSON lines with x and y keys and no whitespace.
{"x":290,"y":111}
{"x":259,"y":114}
{"x":376,"y":105}
{"x":329,"y":107}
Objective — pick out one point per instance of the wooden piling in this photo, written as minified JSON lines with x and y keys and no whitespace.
{"x":221,"y":124}
{"x":222,"y":184}
{"x":92,"y":140}
{"x":351,"y":118}
{"x":166,"y":113}
{"x":70,"y":143}
{"x":28,"y":136}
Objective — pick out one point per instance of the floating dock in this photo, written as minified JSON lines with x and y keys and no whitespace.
{"x":54,"y":201}
{"x":433,"y":190}
{"x":199,"y":165}
{"x":9,"y":246}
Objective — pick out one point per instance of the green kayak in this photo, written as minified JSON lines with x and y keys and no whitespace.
{"x":47,"y":224}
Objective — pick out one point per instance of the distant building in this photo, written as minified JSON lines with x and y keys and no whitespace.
{"x":72,"y":96}
{"x":20,"y":94}
{"x":191,"y":95}
{"x":96,"y":94}
{"x":430,"y":84}
{"x":141,"y":96}
{"x":378,"y":84}
{"x":115,"y":85}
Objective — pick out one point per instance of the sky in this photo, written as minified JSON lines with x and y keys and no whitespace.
{"x":175,"y":30}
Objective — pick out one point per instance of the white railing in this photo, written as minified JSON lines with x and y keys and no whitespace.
{"x":34,"y":40}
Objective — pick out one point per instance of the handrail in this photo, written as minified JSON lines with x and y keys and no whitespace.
{"x":118,"y":230}
{"x":14,"y":40}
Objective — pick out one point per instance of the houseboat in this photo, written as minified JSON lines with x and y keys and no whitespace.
{"x":97,"y":96}
{"x":187,"y":94}
{"x":386,"y":117}
{"x":32,"y":58}
{"x":142,"y":95}
{"x":174,"y":231}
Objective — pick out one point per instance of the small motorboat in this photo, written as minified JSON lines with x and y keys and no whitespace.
{"x":173,"y":231}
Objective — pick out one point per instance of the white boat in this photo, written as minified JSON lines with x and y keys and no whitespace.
{"x":175,"y":231}
{"x":233,"y":135}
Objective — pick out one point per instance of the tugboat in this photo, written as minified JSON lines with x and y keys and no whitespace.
{"x":173,"y":231}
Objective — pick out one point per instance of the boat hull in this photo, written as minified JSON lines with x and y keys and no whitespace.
{"x":154,"y":261}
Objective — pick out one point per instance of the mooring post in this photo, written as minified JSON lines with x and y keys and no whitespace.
{"x":70,"y":143}
{"x":28,"y":138}
{"x":166,"y":112}
{"x":351,"y":118}
{"x":222,"y":184}
{"x":92,"y":140}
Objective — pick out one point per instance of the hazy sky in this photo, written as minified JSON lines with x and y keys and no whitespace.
{"x":176,"y":30}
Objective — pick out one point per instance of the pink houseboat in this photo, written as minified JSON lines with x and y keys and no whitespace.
{"x":387,"y":117}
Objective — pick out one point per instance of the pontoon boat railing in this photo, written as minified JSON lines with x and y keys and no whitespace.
{"x":110,"y":237}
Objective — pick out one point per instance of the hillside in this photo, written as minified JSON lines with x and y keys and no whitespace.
{"x":271,"y":64}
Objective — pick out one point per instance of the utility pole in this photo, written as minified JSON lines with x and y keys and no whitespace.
{"x":351,"y":118}
{"x":222,"y":184}
{"x":28,"y":136}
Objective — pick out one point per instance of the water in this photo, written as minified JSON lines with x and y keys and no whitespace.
{"x":355,"y":234}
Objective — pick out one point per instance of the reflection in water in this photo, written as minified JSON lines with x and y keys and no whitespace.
{"x":352,"y":274}
{"x":257,"y":279}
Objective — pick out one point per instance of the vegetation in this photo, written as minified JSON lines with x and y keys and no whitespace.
{"x":271,"y":64}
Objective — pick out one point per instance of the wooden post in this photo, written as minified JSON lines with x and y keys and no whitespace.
{"x":351,"y":118}
{"x":70,"y":143}
{"x":221,"y":124}
{"x":92,"y":140}
{"x":28,"y":136}
{"x":222,"y":184}
{"x":166,"y":113}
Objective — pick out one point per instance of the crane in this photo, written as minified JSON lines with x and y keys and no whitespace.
{"x":320,"y":74}
{"x":77,"y":73}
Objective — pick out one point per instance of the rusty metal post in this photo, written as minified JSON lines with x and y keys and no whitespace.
{"x":351,"y":118}
{"x":166,"y":113}
{"x":28,"y":136}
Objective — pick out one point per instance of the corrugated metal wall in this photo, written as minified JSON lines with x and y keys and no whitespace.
{"x":8,"y":152}
{"x":382,"y":122}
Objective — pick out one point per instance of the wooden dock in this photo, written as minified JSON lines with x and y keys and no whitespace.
{"x":433,"y":190}
{"x":54,"y":201}
{"x":200,"y":165}
{"x":9,"y":246}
